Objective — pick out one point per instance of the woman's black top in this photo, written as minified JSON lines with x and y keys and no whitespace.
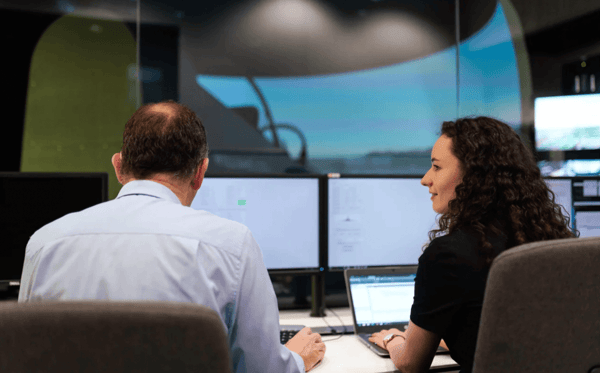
{"x":449,"y":288}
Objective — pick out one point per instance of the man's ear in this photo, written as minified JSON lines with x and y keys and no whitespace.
{"x":116,"y":161}
{"x":199,"y":176}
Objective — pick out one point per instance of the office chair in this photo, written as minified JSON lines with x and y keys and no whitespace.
{"x":541,"y":309}
{"x":115,"y":337}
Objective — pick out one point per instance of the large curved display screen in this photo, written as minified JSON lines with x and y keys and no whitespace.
{"x":387,"y":110}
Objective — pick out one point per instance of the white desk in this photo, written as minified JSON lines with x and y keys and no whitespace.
{"x":302,"y":317}
{"x":347,"y":354}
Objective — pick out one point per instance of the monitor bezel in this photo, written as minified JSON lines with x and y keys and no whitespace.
{"x":83,"y":175}
{"x":326,"y":221}
{"x":566,"y":155}
{"x":322,"y":232}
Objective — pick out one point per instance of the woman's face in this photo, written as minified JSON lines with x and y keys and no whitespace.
{"x":444,"y":174}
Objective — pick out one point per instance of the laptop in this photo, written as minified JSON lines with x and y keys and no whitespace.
{"x":380,"y":298}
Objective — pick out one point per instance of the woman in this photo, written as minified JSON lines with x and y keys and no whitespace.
{"x":492,"y":197}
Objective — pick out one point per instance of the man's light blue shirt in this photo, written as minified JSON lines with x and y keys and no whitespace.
{"x":145,"y":245}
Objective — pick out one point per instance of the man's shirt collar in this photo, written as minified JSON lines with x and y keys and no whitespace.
{"x":148,"y":188}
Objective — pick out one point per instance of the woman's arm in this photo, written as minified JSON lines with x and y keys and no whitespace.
{"x":414,"y":351}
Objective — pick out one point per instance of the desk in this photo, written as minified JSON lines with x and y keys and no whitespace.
{"x":347,"y":354}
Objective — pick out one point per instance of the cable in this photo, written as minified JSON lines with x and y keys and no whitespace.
{"x":342,"y":324}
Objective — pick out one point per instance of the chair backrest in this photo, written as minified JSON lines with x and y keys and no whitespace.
{"x":541,"y":309}
{"x":115,"y":337}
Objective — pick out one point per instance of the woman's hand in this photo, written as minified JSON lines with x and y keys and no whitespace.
{"x":377,"y":338}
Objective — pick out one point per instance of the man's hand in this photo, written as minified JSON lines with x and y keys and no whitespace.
{"x":309,"y":346}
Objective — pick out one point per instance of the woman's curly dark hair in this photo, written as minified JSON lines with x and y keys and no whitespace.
{"x":501,"y":184}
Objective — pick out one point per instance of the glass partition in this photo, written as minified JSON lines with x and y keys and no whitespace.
{"x":72,"y":72}
{"x":307,"y":86}
{"x":281,"y":86}
{"x":489,"y":75}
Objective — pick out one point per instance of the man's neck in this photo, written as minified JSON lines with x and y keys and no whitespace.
{"x":182,"y":190}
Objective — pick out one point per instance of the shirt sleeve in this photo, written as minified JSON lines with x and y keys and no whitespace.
{"x":254,"y":338}
{"x":30,"y":267}
{"x":439,"y":287}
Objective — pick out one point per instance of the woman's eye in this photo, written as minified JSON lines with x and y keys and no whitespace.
{"x":436,"y":167}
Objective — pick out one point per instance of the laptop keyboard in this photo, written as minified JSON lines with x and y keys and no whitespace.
{"x":286,"y":335}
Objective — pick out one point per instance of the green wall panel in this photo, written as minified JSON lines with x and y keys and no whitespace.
{"x":81,"y":93}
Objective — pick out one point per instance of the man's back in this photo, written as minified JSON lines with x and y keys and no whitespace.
{"x":145,"y":245}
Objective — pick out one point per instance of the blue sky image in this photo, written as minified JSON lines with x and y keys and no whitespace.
{"x":395,"y":108}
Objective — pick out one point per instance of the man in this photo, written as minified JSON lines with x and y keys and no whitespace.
{"x":148,"y":244}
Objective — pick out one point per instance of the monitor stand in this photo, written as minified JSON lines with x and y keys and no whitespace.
{"x":318,"y":295}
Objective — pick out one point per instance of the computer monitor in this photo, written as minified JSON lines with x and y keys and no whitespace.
{"x":580,"y":197}
{"x":30,"y":200}
{"x":564,"y":123}
{"x":281,"y":211}
{"x":561,"y":187}
{"x":375,"y":220}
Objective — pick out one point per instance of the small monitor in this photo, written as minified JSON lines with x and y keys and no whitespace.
{"x":30,"y":200}
{"x":580,"y":198}
{"x":281,"y":211}
{"x":561,"y":187}
{"x":586,"y":206}
{"x":564,"y":123}
{"x":377,"y":220}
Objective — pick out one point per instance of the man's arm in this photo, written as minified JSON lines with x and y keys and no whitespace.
{"x":254,"y":338}
{"x":30,"y":264}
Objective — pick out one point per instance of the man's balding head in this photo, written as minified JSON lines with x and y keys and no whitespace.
{"x":165,"y":137}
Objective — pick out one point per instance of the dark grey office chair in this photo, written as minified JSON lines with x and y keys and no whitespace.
{"x":115,"y":337}
{"x":541,"y":309}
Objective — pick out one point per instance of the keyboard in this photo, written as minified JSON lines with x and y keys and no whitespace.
{"x":287,"y":332}
{"x":286,"y":335}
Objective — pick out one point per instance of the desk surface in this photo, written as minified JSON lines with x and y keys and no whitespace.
{"x":302,"y":317}
{"x":347,"y":354}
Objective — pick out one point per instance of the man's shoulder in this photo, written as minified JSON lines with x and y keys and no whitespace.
{"x":61,"y":226}
{"x":113,"y":217}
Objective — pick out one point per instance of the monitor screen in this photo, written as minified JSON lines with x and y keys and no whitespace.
{"x":567,"y":122}
{"x":586,"y":206}
{"x":562,"y":194}
{"x":28,"y":201}
{"x":377,"y":221}
{"x":281,"y":212}
{"x":580,"y":198}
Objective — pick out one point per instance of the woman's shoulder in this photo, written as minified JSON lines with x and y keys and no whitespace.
{"x":459,"y":246}
{"x":452,"y":242}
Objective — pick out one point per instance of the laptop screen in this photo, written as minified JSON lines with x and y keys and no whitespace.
{"x":382,"y":299}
